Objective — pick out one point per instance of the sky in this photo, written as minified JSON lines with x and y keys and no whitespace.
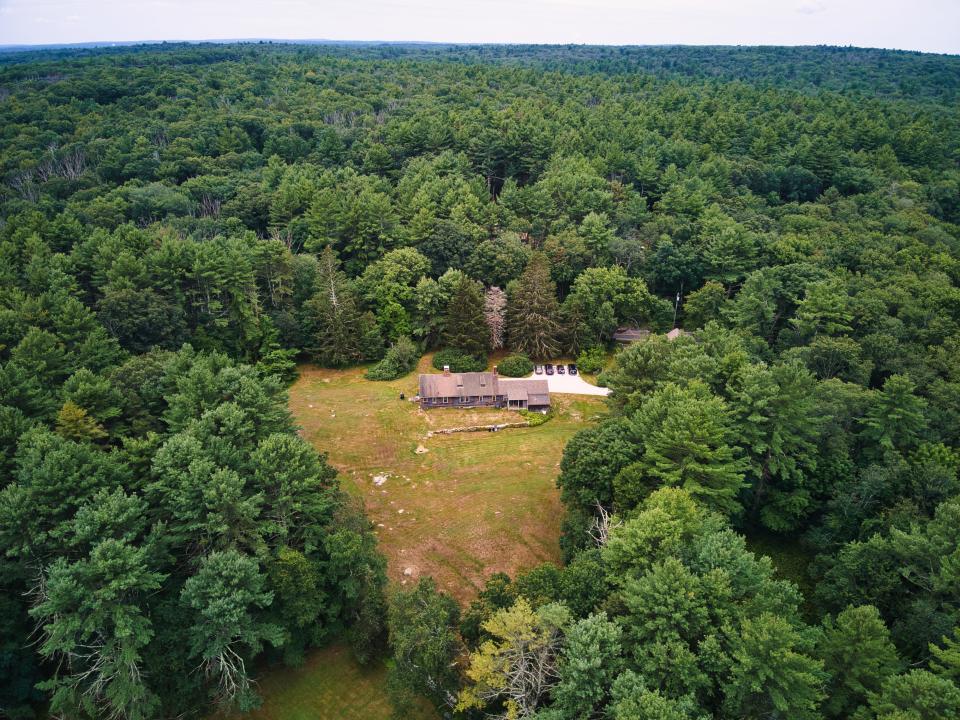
{"x":928,"y":25}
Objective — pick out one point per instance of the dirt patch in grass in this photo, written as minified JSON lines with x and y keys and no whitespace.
{"x":463,"y":507}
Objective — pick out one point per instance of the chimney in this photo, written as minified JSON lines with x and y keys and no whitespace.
{"x":494,"y":369}
{"x":446,"y":369}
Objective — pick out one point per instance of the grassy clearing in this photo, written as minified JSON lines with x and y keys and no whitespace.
{"x":472,"y":504}
{"x":330,"y":684}
{"x":464,"y":506}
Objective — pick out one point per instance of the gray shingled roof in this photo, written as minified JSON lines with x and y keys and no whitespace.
{"x":525,"y":389}
{"x":433,"y":385}
{"x":515,"y":391}
{"x":458,"y":385}
{"x":628,"y":334}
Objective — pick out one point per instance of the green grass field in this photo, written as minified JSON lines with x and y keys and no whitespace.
{"x":463,"y":507}
{"x":329,"y":685}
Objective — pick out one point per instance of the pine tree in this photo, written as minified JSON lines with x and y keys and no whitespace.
{"x":225,"y":594}
{"x":94,"y":626}
{"x":465,"y":328}
{"x":332,"y":317}
{"x":778,"y":425}
{"x":589,"y":664}
{"x":74,"y":423}
{"x":858,"y":655}
{"x":895,"y":417}
{"x":425,"y":644}
{"x":687,"y":437}
{"x":946,"y":662}
{"x":773,"y":676}
{"x":532,"y":311}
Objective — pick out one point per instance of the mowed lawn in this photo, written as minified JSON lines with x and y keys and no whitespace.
{"x":463,"y":507}
{"x":472,"y":504}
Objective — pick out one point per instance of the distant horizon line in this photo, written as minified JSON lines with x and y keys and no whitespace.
{"x":330,"y":41}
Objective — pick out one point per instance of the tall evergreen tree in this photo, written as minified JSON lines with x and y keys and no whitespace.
{"x":687,"y":437}
{"x":93,"y":622}
{"x":895,"y":418}
{"x":465,"y":328}
{"x":224,"y":596}
{"x":333,"y":320}
{"x":778,"y":421}
{"x":858,"y":655}
{"x":423,"y":636}
{"x":532,"y":309}
{"x":772,"y":674}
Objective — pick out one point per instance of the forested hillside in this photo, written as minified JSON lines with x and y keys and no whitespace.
{"x":180,"y":224}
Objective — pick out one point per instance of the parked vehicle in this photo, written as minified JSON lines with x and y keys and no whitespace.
{"x":572,"y":368}
{"x":548,"y":369}
{"x":538,"y":369}
{"x":561,"y":369}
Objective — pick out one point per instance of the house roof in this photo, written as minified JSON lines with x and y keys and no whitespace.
{"x":675,"y":333}
{"x":629,"y":334}
{"x":458,"y":385}
{"x":515,"y":392}
{"x":535,"y":392}
{"x":525,"y":390}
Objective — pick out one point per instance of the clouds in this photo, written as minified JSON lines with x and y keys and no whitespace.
{"x":812,"y":8}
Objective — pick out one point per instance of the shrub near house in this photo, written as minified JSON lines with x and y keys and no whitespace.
{"x":515,"y":366}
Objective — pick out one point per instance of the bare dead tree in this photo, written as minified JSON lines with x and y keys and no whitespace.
{"x":533,"y":671}
{"x":24,"y":184}
{"x":601,"y":527}
{"x":229,"y":671}
{"x":209,"y":206}
{"x":285,"y":235}
{"x":495,"y":315}
{"x":73,"y":164}
{"x":528,"y":661}
{"x":70,"y":164}
{"x":47,"y":169}
{"x":160,"y":137}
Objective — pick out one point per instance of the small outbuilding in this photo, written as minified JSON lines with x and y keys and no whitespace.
{"x":627,"y":335}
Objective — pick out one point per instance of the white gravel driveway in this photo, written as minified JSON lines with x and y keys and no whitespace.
{"x":570,"y":384}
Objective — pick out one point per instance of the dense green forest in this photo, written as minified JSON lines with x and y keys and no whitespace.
{"x":180,"y":224}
